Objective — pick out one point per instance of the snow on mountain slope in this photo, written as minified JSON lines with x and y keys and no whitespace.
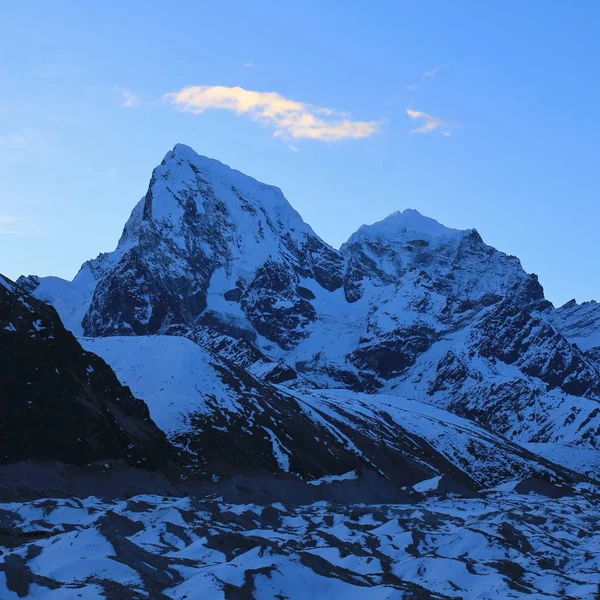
{"x":458,"y":263}
{"x":459,"y":374}
{"x":405,"y":225}
{"x":576,"y":458}
{"x":208,"y":406}
{"x":70,"y":301}
{"x":173,"y":375}
{"x":482,"y":455}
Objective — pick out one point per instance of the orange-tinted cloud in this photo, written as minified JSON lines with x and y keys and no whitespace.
{"x":431,"y":123}
{"x":291,"y":119}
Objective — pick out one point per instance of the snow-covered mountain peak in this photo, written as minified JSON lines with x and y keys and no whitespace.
{"x":181,"y":151}
{"x":6,"y":283}
{"x":189,"y":192}
{"x":406,"y":224}
{"x":206,"y":242}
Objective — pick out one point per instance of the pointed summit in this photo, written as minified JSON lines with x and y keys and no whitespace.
{"x":205,"y":244}
{"x":400,"y":224}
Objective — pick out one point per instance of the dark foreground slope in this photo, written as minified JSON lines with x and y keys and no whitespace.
{"x":60,"y":402}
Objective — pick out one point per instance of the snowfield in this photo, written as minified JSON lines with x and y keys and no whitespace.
{"x":496,"y":546}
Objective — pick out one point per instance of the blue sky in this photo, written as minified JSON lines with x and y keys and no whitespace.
{"x":92,"y":97}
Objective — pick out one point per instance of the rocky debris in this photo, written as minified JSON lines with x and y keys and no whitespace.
{"x":500,"y":544}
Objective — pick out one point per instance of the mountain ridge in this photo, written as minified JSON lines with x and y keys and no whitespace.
{"x":407,"y":306}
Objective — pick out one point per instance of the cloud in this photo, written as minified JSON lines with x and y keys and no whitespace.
{"x":19,"y":145}
{"x":250,"y":64}
{"x":14,"y":139}
{"x":7,"y":225}
{"x":290,"y":119}
{"x":432,"y":73}
{"x":431,"y":123}
{"x":130,"y":100}
{"x":415,"y":85}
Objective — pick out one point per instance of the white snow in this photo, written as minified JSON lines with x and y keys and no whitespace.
{"x":349,"y":476}
{"x":427,"y":485}
{"x":407,"y":223}
{"x":500,"y":546}
{"x":174,"y":376}
{"x":279,"y":451}
{"x":70,"y":300}
{"x":580,"y":459}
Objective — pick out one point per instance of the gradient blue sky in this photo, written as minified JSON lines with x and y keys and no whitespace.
{"x":83,"y":119}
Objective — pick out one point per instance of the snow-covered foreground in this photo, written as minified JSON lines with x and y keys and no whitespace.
{"x":498,"y":545}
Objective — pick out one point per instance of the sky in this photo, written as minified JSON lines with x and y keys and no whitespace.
{"x":481,"y":115}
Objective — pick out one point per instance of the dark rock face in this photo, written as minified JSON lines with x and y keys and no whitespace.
{"x":59,"y":402}
{"x":325,"y":263}
{"x":276,"y":308}
{"x":393,"y":353}
{"x":515,"y":336}
{"x":135,"y":300}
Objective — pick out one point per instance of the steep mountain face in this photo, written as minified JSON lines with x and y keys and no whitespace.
{"x":421,"y":280}
{"x":459,"y":324}
{"x":407,"y":308}
{"x":233,"y":421}
{"x":208,"y":245}
{"x":59,"y":402}
{"x":580,"y":324}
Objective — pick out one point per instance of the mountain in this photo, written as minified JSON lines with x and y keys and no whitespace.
{"x":580,"y":324}
{"x":407,"y":309}
{"x":206,"y":245}
{"x":405,"y":417}
{"x":60,"y":402}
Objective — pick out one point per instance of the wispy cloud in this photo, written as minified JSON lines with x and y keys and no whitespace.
{"x":10,"y":225}
{"x":250,"y":64}
{"x":130,"y":100}
{"x":430,"y":124}
{"x":18,"y":145}
{"x":291,"y":119}
{"x":14,"y":139}
{"x":415,"y":85}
